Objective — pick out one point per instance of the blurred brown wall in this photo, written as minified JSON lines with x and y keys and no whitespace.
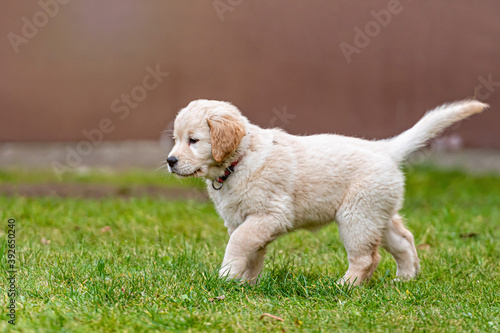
{"x":267,"y":57}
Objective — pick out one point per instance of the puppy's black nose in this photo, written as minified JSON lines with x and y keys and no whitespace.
{"x":171,"y":160}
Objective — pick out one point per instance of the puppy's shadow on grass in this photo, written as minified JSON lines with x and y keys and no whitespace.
{"x":297,"y":282}
{"x":283,"y":279}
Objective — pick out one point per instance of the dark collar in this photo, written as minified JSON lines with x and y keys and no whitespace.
{"x":227,"y":172}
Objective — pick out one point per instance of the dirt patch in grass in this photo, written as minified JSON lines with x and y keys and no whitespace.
{"x":69,"y":190}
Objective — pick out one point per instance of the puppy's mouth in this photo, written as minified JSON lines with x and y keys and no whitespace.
{"x":184,"y":175}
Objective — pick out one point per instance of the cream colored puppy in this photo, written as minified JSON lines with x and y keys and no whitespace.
{"x":266,"y":183}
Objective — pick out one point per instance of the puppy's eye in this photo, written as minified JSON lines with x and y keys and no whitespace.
{"x":193,"y":141}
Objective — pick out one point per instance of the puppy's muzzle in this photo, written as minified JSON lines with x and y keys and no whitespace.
{"x":172,"y":160}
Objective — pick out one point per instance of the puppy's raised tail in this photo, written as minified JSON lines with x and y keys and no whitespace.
{"x":431,"y":124}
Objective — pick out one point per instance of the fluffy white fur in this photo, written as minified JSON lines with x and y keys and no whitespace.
{"x":284,"y":182}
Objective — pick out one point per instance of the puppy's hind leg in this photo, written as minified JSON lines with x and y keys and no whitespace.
{"x":361,"y":238}
{"x":399,"y":242}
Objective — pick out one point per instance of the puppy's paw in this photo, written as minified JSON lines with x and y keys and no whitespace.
{"x":348,"y":281}
{"x":404,"y":278}
{"x":226,"y":273}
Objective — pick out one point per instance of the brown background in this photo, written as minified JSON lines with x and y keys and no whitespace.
{"x":264,"y":55}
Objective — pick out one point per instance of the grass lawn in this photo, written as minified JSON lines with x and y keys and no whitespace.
{"x":155,"y":267}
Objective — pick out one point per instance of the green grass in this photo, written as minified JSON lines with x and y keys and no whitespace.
{"x":100,"y":176}
{"x":156,"y":270}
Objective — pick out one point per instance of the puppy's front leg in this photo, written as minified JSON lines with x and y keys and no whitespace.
{"x":245,"y":251}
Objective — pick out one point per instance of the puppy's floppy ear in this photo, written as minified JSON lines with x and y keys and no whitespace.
{"x":226,"y":132}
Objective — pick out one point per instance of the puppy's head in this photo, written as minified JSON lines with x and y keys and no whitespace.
{"x":205,"y":134}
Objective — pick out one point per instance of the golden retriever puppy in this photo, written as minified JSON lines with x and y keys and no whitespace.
{"x":266,"y":183}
